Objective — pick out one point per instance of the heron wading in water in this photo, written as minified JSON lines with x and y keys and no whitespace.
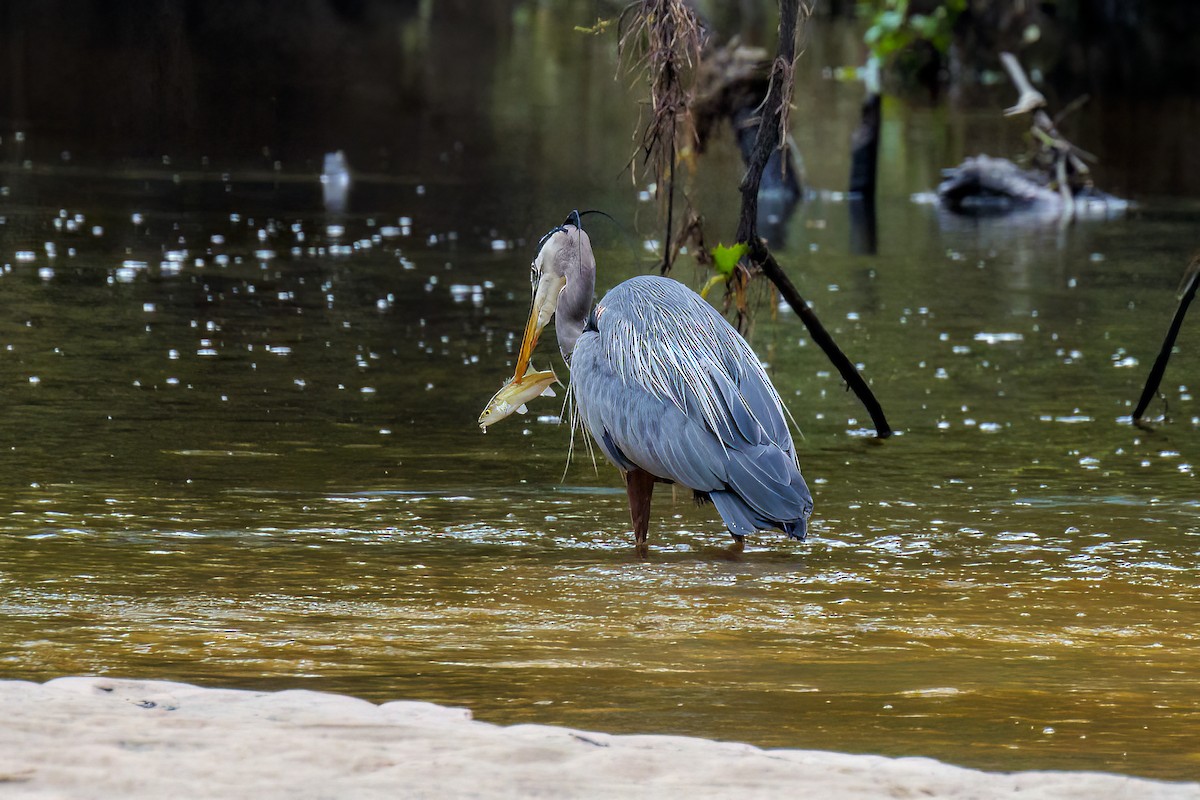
{"x":668,"y":390}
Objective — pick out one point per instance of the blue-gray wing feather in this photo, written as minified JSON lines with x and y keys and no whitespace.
{"x":664,"y":383}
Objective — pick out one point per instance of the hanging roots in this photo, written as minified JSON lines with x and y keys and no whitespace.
{"x":663,"y":39}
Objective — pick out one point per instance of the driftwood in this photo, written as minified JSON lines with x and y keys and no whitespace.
{"x":1191,"y":280}
{"x":1057,"y":185}
{"x":770,"y":138}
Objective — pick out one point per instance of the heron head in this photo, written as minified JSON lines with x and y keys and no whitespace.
{"x":563,"y":275}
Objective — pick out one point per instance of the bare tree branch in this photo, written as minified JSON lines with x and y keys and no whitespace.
{"x":770,"y":137}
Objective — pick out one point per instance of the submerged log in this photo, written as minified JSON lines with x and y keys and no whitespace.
{"x":1060,"y":185}
{"x":986,"y":186}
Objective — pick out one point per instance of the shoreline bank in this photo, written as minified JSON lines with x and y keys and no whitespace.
{"x":105,"y":737}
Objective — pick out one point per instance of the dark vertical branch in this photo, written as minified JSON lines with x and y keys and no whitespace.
{"x":1191,"y":281}
{"x":773,"y":108}
{"x":770,"y":137}
{"x":864,"y":149}
{"x":864,"y":161}
{"x":668,"y":256}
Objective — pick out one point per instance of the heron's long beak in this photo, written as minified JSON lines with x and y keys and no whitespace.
{"x":545,"y":301}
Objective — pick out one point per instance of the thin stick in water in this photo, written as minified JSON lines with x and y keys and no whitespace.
{"x":1191,"y":279}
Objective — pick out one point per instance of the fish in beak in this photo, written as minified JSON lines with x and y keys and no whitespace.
{"x":514,"y":394}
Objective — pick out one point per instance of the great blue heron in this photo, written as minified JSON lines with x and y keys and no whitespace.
{"x":669,"y":391}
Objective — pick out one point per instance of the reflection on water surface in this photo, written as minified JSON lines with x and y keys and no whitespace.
{"x":241,"y":450}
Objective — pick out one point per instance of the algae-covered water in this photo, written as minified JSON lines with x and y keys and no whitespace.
{"x":239,"y":443}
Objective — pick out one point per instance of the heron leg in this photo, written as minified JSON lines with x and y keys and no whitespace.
{"x":639,"y":484}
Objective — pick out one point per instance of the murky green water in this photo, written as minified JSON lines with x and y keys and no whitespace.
{"x":239,"y":444}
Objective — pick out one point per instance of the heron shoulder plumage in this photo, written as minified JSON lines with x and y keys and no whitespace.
{"x":661,"y":336}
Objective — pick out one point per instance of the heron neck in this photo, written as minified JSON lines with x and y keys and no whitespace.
{"x":575,"y":302}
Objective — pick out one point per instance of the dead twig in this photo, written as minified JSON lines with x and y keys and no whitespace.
{"x":1062,"y":161}
{"x":1191,"y":279}
{"x":1029,"y":99}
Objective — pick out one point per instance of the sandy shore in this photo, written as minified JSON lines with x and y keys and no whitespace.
{"x":100,"y":737}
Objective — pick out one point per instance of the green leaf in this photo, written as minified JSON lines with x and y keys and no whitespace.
{"x":725,"y":259}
